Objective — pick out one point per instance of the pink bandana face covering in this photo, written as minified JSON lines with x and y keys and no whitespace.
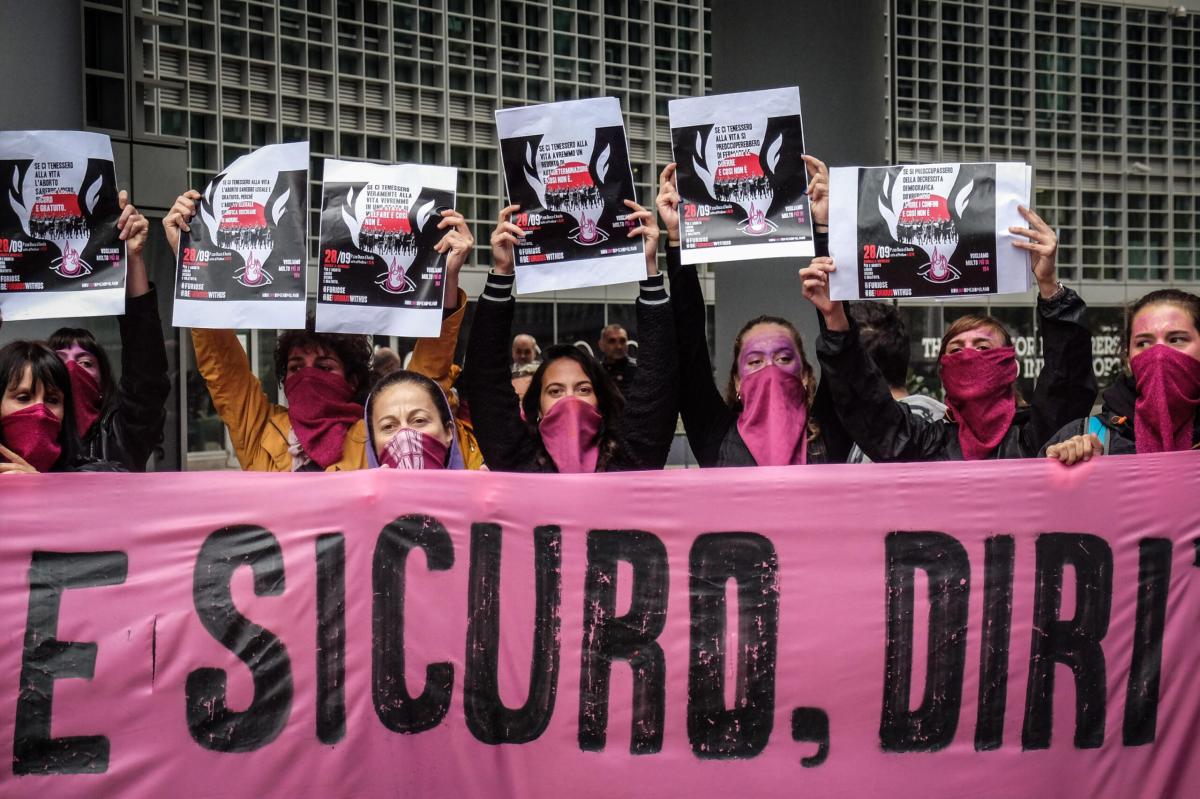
{"x":1168,"y":385}
{"x":774,"y":416}
{"x":85,"y":394}
{"x":979,"y":393}
{"x":412,"y":449}
{"x":571,"y":434}
{"x":321,"y":410}
{"x":32,"y":433}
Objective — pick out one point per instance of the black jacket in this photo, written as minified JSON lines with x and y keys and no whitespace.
{"x":888,"y":431}
{"x":1116,"y":414}
{"x":651,"y":402}
{"x":132,"y":426}
{"x":711,"y":425}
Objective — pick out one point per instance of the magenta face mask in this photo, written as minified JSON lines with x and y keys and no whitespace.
{"x":1168,"y":384}
{"x":571,"y":434}
{"x":412,"y":449}
{"x":774,"y":417}
{"x":32,"y":433}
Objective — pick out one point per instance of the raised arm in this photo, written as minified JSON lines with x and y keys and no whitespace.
{"x":706,"y":417}
{"x":881,"y":426}
{"x":434,"y":357}
{"x":495,"y":411}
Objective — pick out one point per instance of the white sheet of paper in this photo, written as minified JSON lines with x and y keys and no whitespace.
{"x":61,"y":257}
{"x":369,"y":211}
{"x":741,"y":178}
{"x":253,"y":212}
{"x":921,"y":210}
{"x":567,"y":165}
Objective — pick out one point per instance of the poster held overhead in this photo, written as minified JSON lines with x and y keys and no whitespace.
{"x":934,"y":231}
{"x":741,"y":176}
{"x":242,"y":264}
{"x":567,"y":166}
{"x":378,"y":271}
{"x":60,"y":250}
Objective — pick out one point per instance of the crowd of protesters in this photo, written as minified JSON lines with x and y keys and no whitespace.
{"x":518,"y":407}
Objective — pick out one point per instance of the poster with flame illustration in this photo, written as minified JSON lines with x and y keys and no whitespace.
{"x":378,"y":270}
{"x":60,"y":255}
{"x":243,"y":265}
{"x":740,"y":177}
{"x":936,"y":231}
{"x":567,"y":166}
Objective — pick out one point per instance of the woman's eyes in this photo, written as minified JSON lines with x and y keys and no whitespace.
{"x":554,"y":391}
{"x":584,"y":390}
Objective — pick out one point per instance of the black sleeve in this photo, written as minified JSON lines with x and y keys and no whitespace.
{"x":706,"y":417}
{"x":142,"y":393}
{"x":1066,"y":387}
{"x":652,"y":401}
{"x":505,"y":440}
{"x":884,"y":428}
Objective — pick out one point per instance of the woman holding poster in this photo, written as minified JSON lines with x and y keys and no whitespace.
{"x":324,"y":376}
{"x":575,"y":419}
{"x":978,"y":368}
{"x":1155,"y":405}
{"x":773,"y":413}
{"x":121,"y":422}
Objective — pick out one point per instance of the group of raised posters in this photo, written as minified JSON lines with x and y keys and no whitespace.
{"x":930,"y":231}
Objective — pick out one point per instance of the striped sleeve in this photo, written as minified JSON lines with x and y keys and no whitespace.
{"x":498,"y":287}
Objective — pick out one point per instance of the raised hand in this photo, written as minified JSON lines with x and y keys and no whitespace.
{"x":135,"y":229}
{"x":668,"y":203}
{"x":648,"y":230}
{"x":815,"y":279}
{"x":178,"y":217}
{"x":1076,"y":449}
{"x":458,"y":242}
{"x":1043,"y":250}
{"x":504,"y":238}
{"x":818,"y":190}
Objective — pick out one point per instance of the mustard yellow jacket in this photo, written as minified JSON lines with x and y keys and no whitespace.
{"x":259,"y":428}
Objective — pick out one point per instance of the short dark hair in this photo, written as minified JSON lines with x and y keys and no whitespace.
{"x":885,"y":338}
{"x":46,"y":369}
{"x":969,"y":322}
{"x":65,"y":337}
{"x":353,"y":350}
{"x":609,"y":401}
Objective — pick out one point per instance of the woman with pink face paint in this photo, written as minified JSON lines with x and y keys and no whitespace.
{"x":773,"y":412}
{"x":978,"y":369}
{"x":1155,"y":405}
{"x":572,"y":417}
{"x":121,"y":421}
{"x":37,"y":416}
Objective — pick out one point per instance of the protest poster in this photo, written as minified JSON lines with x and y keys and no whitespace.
{"x":243,"y":264}
{"x":567,"y":166}
{"x":741,"y":177}
{"x":378,"y":271}
{"x":935,"y":230}
{"x":60,"y":251}
{"x":422,"y":633}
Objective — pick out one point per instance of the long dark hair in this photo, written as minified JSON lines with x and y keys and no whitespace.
{"x":1186,"y":301}
{"x":65,"y":337}
{"x":609,"y":401}
{"x":47,"y":369}
{"x":734,"y":400}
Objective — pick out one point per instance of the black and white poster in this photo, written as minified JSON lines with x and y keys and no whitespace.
{"x":741,"y":177}
{"x":567,"y":166}
{"x":243,"y":263}
{"x":60,"y":251}
{"x":936,"y":230}
{"x":378,"y":271}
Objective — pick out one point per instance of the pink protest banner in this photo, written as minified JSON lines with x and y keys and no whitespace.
{"x":991,"y":629}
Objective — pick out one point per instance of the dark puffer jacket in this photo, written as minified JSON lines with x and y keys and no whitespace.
{"x":509,"y":444}
{"x":1116,"y":414}
{"x":711,"y":425}
{"x":887,"y":430}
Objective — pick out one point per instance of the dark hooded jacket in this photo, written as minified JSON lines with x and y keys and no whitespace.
{"x":888,"y":430}
{"x":509,"y":444}
{"x":1116,"y":415}
{"x":710,"y":423}
{"x":132,"y":426}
